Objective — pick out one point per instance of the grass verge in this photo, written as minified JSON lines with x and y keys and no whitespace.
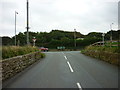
{"x":12,"y":51}
{"x":108,"y":54}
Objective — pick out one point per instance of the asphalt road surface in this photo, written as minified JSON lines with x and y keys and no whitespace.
{"x":67,"y":69}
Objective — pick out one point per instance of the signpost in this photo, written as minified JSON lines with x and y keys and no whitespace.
{"x":34,"y":40}
{"x":75,"y":38}
{"x":103,"y":38}
{"x":61,"y":48}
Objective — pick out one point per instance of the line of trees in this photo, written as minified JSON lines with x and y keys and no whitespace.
{"x":58,"y":38}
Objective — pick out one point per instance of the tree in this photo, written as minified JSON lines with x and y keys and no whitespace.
{"x":59,"y":38}
{"x":6,"y":41}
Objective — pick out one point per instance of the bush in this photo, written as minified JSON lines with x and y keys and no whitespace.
{"x":42,"y":55}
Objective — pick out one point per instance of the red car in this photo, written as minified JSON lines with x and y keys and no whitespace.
{"x":44,"y":49}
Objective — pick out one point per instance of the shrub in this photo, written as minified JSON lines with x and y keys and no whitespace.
{"x":42,"y":55}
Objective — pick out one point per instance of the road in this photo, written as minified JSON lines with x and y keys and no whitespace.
{"x":67,"y":69}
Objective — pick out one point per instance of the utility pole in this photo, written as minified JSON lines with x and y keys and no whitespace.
{"x":28,"y":23}
{"x":75,"y":38}
{"x":15,"y":27}
{"x":119,"y":27}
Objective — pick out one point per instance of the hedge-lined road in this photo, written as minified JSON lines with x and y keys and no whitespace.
{"x":69,"y":69}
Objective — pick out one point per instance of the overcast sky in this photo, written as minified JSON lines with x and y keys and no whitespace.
{"x":44,"y":15}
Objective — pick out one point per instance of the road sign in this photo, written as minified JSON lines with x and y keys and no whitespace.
{"x":103,"y":34}
{"x":34,"y":40}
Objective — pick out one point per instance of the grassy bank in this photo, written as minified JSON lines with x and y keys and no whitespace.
{"x":11,"y":51}
{"x":108,"y":54}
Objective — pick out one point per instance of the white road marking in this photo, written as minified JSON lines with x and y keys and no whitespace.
{"x":65,"y":57}
{"x":63,"y":53}
{"x":70,"y":66}
{"x":79,"y":86}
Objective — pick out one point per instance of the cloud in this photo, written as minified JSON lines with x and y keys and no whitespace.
{"x":45,"y":15}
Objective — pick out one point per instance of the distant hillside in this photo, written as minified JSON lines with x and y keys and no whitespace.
{"x":59,"y":38}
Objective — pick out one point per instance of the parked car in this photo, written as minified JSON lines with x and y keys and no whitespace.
{"x":44,"y":49}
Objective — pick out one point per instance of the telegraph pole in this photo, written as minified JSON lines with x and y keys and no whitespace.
{"x":27,"y":23}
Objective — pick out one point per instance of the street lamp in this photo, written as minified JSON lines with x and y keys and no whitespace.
{"x":111,"y":34}
{"x":111,"y":31}
{"x":75,"y":38}
{"x":15,"y":26}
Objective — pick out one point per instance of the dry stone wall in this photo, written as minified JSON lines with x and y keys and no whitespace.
{"x":12,"y":66}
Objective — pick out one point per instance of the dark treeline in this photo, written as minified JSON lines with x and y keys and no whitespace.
{"x":59,"y":38}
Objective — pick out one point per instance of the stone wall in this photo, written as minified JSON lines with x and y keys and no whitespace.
{"x":12,"y":66}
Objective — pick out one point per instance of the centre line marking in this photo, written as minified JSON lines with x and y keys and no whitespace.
{"x":79,"y":86}
{"x":62,"y":52}
{"x":65,"y":57}
{"x":70,"y":66}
